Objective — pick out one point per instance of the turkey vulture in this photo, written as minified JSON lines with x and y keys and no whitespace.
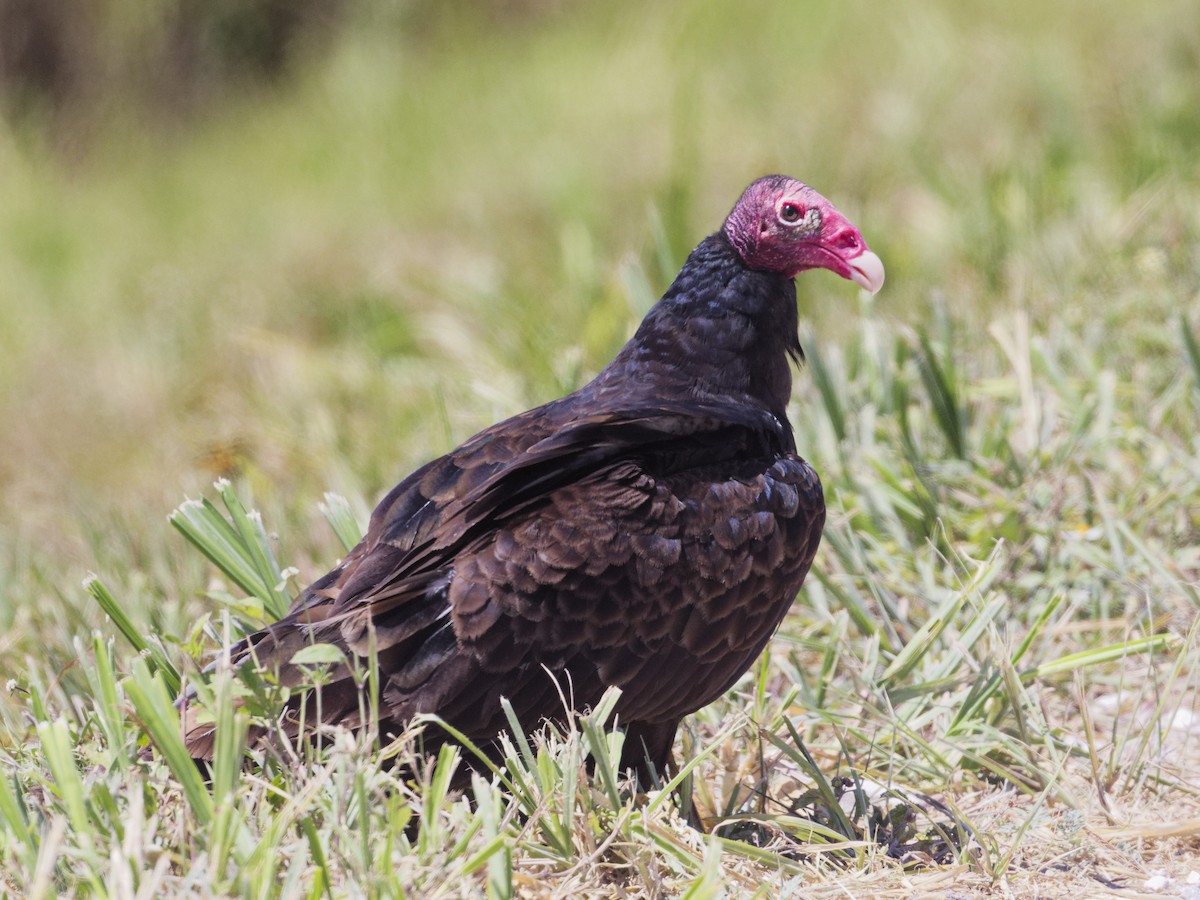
{"x":648,"y":531}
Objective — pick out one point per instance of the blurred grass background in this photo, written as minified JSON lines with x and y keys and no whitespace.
{"x":309,"y":245}
{"x":314,"y":244}
{"x":319,"y":264}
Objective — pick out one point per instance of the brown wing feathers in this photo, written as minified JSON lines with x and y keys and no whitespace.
{"x":537,"y":555}
{"x":648,"y":531}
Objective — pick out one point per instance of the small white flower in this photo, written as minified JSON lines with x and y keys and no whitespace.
{"x":1156,"y":883}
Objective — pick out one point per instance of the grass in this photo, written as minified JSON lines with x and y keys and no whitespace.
{"x":988,"y":684}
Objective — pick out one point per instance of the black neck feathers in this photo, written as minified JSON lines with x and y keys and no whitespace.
{"x":724,"y":330}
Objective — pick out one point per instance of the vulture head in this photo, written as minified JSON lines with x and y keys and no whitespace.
{"x":782,"y":225}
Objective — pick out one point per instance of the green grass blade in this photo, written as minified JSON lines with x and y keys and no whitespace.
{"x":157,"y":714}
{"x":1191,"y":347}
{"x":113,"y":609}
{"x":337,"y":512}
{"x":1157,"y":644}
{"x":59,"y":747}
{"x":944,"y":396}
{"x":116,"y":612}
{"x":238,"y":546}
{"x":606,"y":753}
{"x":828,"y":390}
{"x":207,"y":530}
{"x":257,"y":548}
{"x":496,"y":852}
{"x":102,"y":679}
{"x":15,"y":818}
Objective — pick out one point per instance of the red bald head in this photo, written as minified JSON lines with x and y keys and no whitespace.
{"x":783,"y":226}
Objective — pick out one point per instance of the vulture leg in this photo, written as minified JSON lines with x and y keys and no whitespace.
{"x":647,"y":750}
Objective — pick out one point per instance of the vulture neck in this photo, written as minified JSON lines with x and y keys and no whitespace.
{"x":721,"y":331}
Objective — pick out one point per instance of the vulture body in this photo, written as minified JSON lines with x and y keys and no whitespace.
{"x":648,"y":531}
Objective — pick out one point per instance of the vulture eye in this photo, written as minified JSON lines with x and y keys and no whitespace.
{"x":790,"y":214}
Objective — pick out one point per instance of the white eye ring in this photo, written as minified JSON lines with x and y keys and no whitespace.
{"x":810,"y":221}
